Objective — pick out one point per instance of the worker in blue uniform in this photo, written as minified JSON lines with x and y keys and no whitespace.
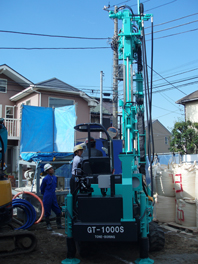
{"x":48,"y":188}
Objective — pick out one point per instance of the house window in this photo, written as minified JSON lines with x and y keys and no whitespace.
{"x":57,"y":102}
{"x":28,"y":102}
{"x":3,"y":86}
{"x":9,"y":110}
{"x":166,"y":141}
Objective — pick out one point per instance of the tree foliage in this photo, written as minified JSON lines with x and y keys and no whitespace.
{"x":184,"y":138}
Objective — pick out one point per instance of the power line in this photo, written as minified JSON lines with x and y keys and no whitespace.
{"x":48,"y":35}
{"x":181,"y":25}
{"x":177,"y":74}
{"x":176,"y":87}
{"x":161,"y":5}
{"x":168,"y":114}
{"x":81,"y":48}
{"x":166,"y":80}
{"x":71,"y":48}
{"x":170,"y":21}
{"x":175,"y":34}
{"x":91,"y":38}
{"x":178,"y":81}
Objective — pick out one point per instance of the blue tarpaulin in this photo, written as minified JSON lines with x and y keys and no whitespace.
{"x":47,"y":132}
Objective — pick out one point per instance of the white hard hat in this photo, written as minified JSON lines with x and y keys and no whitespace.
{"x":47,"y":166}
{"x":77,"y":147}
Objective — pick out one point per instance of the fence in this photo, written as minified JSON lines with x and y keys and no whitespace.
{"x":13,"y":127}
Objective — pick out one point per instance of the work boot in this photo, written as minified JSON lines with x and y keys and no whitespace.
{"x":49,"y":228}
{"x":58,"y":222}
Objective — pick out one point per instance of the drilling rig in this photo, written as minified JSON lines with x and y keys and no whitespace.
{"x":106,"y":206}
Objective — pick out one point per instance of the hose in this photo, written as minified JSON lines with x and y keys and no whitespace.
{"x":42,"y":207}
{"x":29,"y":211}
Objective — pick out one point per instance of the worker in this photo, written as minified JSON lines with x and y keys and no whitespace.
{"x":48,"y":187}
{"x":78,"y":151}
{"x":94,"y":152}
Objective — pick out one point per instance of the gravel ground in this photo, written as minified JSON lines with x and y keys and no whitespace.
{"x":180,"y":247}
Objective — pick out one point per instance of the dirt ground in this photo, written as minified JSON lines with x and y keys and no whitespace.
{"x":180,"y":247}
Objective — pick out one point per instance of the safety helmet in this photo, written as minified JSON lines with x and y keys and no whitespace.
{"x":77,"y":147}
{"x":91,"y":140}
{"x":47,"y":166}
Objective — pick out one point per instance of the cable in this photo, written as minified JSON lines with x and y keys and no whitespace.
{"x":161,"y":5}
{"x":182,"y":85}
{"x":34,"y":195}
{"x":181,"y":25}
{"x":170,"y":21}
{"x":175,"y":34}
{"x":71,"y":48}
{"x":29,"y":211}
{"x":148,"y":98}
{"x":48,"y":35}
{"x":167,"y":81}
{"x":176,"y":74}
{"x":177,"y":81}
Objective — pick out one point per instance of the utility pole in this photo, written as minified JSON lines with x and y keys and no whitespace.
{"x":115,"y":73}
{"x":101,"y":91}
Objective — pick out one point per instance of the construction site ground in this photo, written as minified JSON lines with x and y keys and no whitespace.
{"x":181,"y":246}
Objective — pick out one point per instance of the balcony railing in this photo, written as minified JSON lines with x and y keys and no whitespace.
{"x":13,"y":127}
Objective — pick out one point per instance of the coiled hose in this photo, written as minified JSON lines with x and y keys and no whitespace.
{"x":34,"y":195}
{"x":29,"y":211}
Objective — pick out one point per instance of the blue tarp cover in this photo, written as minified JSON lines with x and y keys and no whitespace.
{"x":47,"y":131}
{"x":30,"y":156}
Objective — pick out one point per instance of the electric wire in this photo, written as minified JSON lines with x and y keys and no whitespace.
{"x":170,"y":76}
{"x":177,"y":81}
{"x":161,"y":5}
{"x":49,"y":35}
{"x":181,"y":25}
{"x":170,"y":21}
{"x":174,"y":34}
{"x":167,"y":81}
{"x":91,"y":38}
{"x":71,"y":48}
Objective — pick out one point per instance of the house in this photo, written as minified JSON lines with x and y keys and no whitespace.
{"x":190,"y":103}
{"x":106,"y":112}
{"x":161,"y":137}
{"x":16,"y":90}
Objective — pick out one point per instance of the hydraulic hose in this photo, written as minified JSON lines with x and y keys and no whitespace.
{"x":42,"y":207}
{"x":29,"y":211}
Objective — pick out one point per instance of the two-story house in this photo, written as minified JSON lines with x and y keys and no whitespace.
{"x":161,"y":136}
{"x":190,"y":103}
{"x":16,"y":90}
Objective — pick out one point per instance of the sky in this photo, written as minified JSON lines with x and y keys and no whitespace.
{"x":175,"y":46}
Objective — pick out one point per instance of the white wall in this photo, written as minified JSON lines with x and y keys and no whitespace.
{"x":192,"y":111}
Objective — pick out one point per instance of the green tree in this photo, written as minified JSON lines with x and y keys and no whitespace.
{"x":184,"y":138}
